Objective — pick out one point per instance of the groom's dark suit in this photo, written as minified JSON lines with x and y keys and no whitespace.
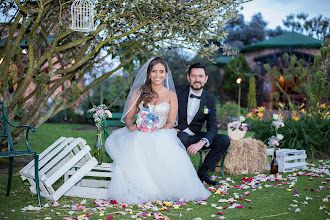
{"x":218,"y":142}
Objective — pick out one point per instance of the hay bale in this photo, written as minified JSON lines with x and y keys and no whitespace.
{"x":246,"y":156}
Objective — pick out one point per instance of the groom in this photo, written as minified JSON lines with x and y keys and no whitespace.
{"x":196,"y":107}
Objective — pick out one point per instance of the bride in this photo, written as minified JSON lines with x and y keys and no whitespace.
{"x":152,"y":166}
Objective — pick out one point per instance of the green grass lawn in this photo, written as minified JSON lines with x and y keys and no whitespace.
{"x":296,"y":196}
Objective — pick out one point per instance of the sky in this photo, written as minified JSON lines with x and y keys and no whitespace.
{"x":275,"y":11}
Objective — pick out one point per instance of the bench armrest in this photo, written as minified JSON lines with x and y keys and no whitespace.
{"x":27,"y":129}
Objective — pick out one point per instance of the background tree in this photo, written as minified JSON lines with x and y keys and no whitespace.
{"x":59,"y":57}
{"x":241,"y":33}
{"x":178,"y":61}
{"x":315,"y":27}
{"x":252,"y":101}
{"x":237,"y":67}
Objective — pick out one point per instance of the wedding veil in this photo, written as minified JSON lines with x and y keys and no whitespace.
{"x":139,"y":80}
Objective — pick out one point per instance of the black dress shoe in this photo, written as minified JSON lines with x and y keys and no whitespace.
{"x":208,"y":180}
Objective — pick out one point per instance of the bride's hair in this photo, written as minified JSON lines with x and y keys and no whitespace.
{"x":147,"y":93}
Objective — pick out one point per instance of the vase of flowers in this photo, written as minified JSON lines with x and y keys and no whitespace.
{"x":100,"y":113}
{"x":274,"y":140}
{"x":237,"y":130}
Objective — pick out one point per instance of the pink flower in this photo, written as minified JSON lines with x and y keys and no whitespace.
{"x":108,"y":113}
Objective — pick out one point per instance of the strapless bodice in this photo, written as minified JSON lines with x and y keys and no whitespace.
{"x":161,"y":110}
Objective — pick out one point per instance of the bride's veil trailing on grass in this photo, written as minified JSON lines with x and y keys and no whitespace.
{"x":139,"y":80}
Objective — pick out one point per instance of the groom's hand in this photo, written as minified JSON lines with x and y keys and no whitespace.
{"x":194,"y":148}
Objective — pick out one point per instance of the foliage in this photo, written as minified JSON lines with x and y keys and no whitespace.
{"x":311,"y":81}
{"x":252,"y":99}
{"x":114,"y":95}
{"x":243,"y":34}
{"x":58,"y":58}
{"x":303,"y":131}
{"x":179,"y":64}
{"x":237,"y":67}
{"x":227,"y":113}
{"x":317,"y":26}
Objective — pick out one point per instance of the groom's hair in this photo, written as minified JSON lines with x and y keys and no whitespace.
{"x":196,"y":66}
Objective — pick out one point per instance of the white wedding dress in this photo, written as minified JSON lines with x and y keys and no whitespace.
{"x":152,"y":166}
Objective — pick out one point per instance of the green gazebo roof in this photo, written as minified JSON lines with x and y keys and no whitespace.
{"x":286,"y":40}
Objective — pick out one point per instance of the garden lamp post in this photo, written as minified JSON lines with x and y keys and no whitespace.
{"x":238,"y":81}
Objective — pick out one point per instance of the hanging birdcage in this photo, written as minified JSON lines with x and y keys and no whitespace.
{"x":82,"y":12}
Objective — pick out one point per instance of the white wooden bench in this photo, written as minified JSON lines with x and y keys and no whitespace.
{"x":67,"y":159}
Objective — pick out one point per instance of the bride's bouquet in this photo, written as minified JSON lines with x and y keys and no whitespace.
{"x":146,"y":121}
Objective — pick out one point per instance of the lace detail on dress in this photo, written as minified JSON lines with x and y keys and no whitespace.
{"x":161,"y":110}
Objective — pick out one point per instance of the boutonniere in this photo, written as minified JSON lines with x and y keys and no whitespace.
{"x":206,"y":110}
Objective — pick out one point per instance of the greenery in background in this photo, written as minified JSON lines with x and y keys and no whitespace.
{"x":311,"y":81}
{"x":114,"y":92}
{"x":303,"y":131}
{"x":243,"y":33}
{"x":126,"y":31}
{"x":237,"y":67}
{"x":252,"y":99}
{"x":179,"y":63}
{"x":227,"y":113}
{"x":315,"y":27}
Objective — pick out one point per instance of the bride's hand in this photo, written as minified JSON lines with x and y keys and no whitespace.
{"x":133,"y":128}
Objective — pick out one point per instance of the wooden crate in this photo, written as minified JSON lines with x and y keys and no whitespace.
{"x":289,"y":159}
{"x":55,"y":162}
{"x":93,"y":185}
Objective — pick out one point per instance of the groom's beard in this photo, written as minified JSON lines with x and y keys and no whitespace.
{"x":196,"y":86}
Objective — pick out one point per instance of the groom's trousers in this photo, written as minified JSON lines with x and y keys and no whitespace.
{"x":218,"y":147}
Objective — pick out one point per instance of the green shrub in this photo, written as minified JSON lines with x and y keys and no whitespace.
{"x":252,"y":101}
{"x":310,"y":132}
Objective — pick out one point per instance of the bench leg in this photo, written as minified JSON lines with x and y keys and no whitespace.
{"x":36,"y":171}
{"x":11,"y":166}
{"x":223,"y":162}
{"x":200,"y":159}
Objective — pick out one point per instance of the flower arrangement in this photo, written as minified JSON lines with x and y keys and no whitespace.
{"x":206,"y":110}
{"x":273,"y":141}
{"x":99,"y":114}
{"x":238,"y":125}
{"x":237,"y":130}
{"x":146,"y":121}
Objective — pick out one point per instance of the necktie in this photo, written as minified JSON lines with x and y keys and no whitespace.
{"x":195,"y":96}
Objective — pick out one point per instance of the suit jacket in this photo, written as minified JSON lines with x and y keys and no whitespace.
{"x":196,"y":124}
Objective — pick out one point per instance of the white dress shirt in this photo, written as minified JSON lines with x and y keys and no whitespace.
{"x":192,"y":109}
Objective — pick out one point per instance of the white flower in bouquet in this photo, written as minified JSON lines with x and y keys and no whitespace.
{"x":280,"y":137}
{"x":277,"y":123}
{"x":273,"y":142}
